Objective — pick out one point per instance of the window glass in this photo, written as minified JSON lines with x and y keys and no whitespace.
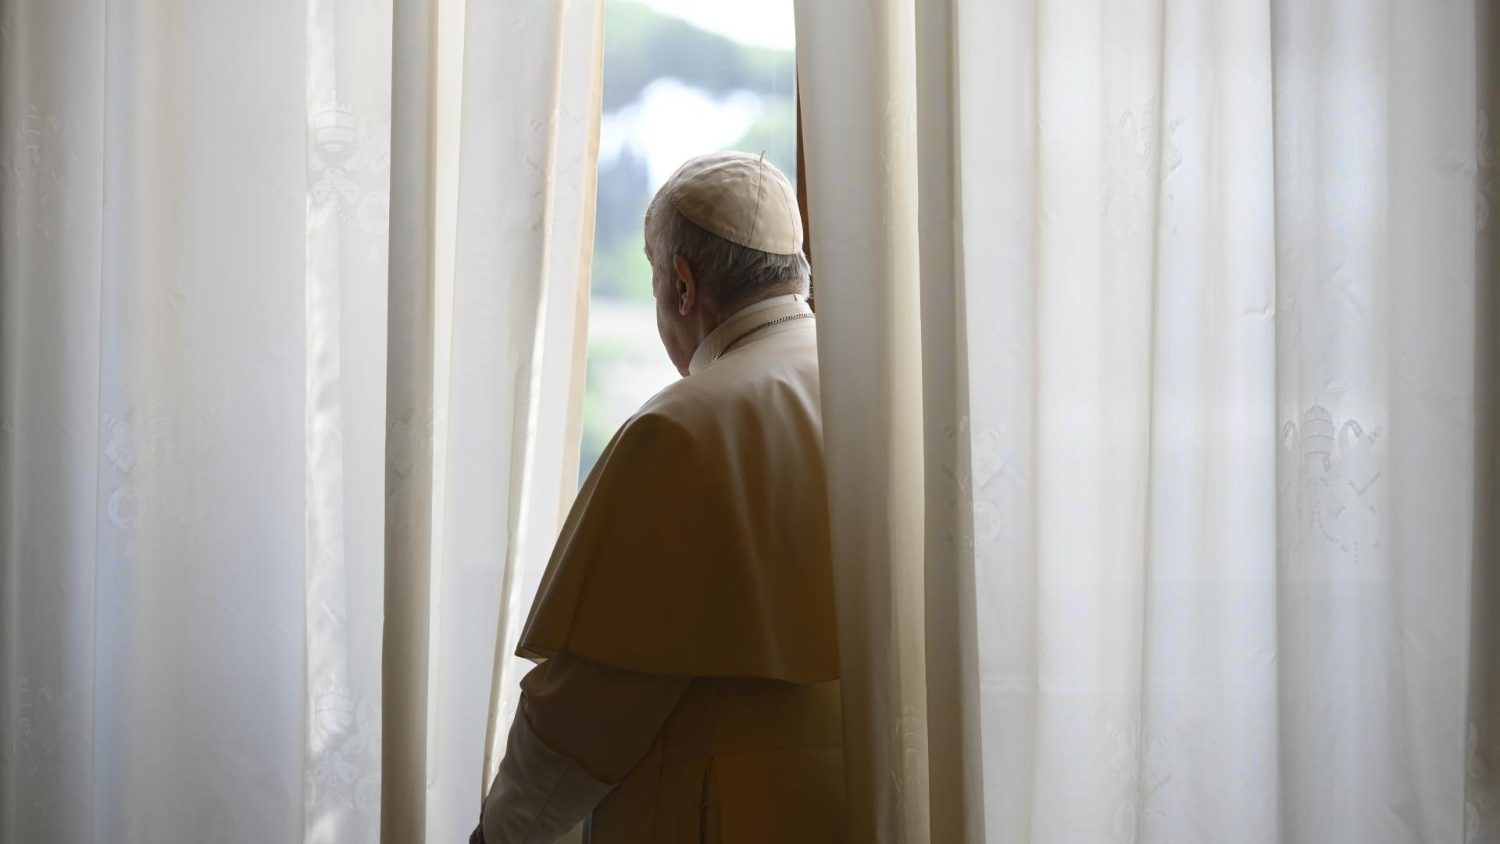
{"x":681,"y":78}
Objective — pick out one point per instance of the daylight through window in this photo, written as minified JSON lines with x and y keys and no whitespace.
{"x":681,"y":78}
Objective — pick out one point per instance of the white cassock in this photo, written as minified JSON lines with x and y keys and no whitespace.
{"x":688,"y":686}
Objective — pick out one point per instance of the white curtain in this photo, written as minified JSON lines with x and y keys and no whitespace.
{"x":1152,"y":391}
{"x":270,"y":383}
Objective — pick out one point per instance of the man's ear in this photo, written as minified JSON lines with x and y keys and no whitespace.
{"x":686,"y":287}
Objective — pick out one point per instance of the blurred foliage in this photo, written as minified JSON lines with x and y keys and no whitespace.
{"x":775,"y":133}
{"x":642,"y":45}
{"x":620,"y":268}
{"x":596,"y":428}
{"x":623,"y":193}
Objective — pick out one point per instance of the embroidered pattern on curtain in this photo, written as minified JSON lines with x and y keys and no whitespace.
{"x":1181,"y":297}
{"x":271,"y":376}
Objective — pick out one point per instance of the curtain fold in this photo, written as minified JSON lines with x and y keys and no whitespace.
{"x":287,"y":292}
{"x":868,"y":350}
{"x":1482,"y":763}
{"x":1181,"y":297}
{"x":348,"y":138}
{"x":524,"y":125}
{"x":422,"y":137}
{"x":153,"y":370}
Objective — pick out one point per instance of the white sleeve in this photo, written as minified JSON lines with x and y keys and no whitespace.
{"x":538,"y":794}
{"x":581,"y":727}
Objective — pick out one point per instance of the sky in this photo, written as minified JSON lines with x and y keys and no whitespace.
{"x":767,"y":23}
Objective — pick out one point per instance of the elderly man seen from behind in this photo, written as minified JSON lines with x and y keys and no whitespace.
{"x":687,"y":686}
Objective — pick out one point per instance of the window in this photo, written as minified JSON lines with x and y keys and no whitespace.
{"x":681,"y":78}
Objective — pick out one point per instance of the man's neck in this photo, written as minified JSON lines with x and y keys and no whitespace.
{"x":715,"y":315}
{"x":743,"y":321}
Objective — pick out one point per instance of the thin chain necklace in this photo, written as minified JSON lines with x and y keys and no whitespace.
{"x":761,"y":327}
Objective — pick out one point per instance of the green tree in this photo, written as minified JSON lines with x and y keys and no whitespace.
{"x":641,"y":46}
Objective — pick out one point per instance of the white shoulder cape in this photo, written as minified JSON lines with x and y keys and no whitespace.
{"x":699,"y":543}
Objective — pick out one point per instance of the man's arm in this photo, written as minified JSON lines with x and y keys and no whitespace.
{"x":580,"y":729}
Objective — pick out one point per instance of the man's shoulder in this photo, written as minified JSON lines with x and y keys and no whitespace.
{"x":732,"y":392}
{"x":682,"y":405}
{"x":787,"y":356}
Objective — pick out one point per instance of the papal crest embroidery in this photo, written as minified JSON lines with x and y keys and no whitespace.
{"x":348,"y":155}
{"x":1328,"y":477}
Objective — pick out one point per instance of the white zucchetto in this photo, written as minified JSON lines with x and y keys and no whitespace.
{"x":739,"y":197}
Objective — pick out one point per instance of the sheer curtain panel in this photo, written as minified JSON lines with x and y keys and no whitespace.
{"x":1157,"y":337}
{"x":271,"y":377}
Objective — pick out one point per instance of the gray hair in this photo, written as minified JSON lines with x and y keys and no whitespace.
{"x":730,"y":273}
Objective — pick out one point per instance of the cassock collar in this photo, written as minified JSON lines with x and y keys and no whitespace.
{"x":744,"y":320}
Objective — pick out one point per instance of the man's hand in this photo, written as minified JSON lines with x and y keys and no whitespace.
{"x":477,"y":837}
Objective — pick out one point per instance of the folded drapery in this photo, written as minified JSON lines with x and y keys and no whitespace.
{"x":289,"y":379}
{"x":1148,"y":334}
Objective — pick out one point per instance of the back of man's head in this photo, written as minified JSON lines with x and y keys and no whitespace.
{"x":733,"y":217}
